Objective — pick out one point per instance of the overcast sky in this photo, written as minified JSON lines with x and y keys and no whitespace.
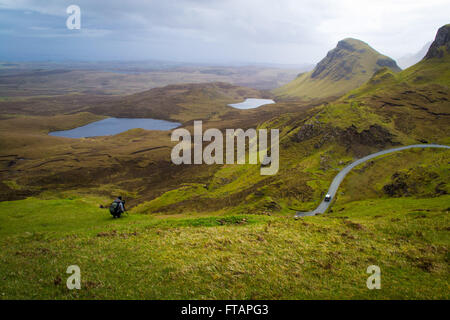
{"x":214,"y":31}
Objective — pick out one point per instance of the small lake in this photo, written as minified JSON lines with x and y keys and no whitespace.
{"x":251,"y":103}
{"x":111,"y":126}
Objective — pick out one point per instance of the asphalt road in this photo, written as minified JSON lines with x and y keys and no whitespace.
{"x":323,"y":206}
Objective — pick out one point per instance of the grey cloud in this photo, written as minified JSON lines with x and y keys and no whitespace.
{"x":286,"y":31}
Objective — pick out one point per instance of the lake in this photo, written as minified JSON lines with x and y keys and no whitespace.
{"x":111,"y":126}
{"x":251,"y":103}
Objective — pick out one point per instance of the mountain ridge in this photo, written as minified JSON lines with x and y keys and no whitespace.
{"x":441,"y":44}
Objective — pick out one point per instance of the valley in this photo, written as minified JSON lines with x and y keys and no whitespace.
{"x":225,"y":231}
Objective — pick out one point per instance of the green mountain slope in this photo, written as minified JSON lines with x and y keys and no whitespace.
{"x":346,"y":67}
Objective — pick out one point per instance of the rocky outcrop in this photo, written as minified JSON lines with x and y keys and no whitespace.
{"x":337,"y":59}
{"x":398,"y":187}
{"x":374,"y":136}
{"x":345,"y":45}
{"x":308,"y":131}
{"x":388,"y":62}
{"x":418,"y":181}
{"x":441,"y":43}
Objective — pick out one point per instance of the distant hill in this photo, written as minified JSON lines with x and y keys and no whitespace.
{"x":346,"y":67}
{"x":411,"y":106}
{"x":411,"y":59}
{"x":180,"y":102}
{"x":40,"y":79}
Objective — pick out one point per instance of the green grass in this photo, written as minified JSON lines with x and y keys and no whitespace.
{"x":56,"y":215}
{"x":345,"y":115}
{"x":238,"y":256}
{"x":420,"y":172}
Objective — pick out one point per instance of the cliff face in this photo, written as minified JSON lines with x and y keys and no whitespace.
{"x":441,"y":44}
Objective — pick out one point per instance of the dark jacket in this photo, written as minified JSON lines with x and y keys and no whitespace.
{"x":121,"y":207}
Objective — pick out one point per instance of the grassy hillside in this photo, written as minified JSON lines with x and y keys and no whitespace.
{"x":240,"y":257}
{"x":344,"y":68}
{"x":419,"y":172}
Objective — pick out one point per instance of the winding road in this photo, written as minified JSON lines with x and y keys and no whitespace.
{"x":323,"y":206}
